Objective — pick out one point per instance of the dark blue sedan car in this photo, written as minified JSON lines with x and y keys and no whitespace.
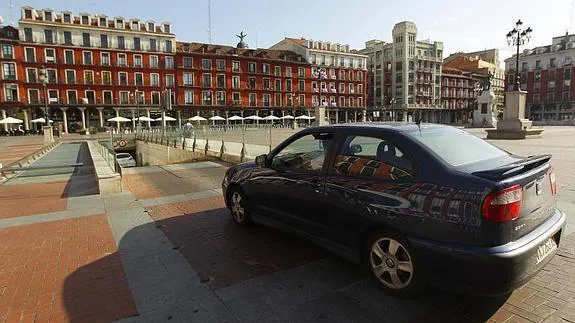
{"x":417,"y":204}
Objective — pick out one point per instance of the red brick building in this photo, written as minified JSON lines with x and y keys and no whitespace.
{"x":341,"y":84}
{"x":97,"y":67}
{"x":547,"y":73}
{"x":218,"y":79}
{"x":458,"y":94}
{"x":12,"y":73}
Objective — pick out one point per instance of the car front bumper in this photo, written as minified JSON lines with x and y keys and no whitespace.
{"x":488,"y":271}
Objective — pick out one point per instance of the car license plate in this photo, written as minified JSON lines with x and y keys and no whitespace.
{"x":545,"y":249}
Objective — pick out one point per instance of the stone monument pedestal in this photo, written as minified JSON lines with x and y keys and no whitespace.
{"x":48,"y":135}
{"x":320,"y":117}
{"x":514,"y":124}
{"x":485,"y":115}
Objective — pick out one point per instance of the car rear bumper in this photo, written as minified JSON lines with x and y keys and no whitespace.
{"x":488,"y":271}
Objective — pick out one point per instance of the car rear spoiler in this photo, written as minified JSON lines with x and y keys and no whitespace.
{"x":514,"y":168}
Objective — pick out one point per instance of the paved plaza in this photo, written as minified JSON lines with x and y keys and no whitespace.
{"x":166,"y":249}
{"x":14,"y":148}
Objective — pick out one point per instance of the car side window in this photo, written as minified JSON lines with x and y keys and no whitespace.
{"x":305,"y":153}
{"x":372,"y":157}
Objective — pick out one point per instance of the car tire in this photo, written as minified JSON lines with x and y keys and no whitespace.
{"x":393,"y":264}
{"x":239,"y":207}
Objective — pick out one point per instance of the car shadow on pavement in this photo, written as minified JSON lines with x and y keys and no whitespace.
{"x":245,"y":274}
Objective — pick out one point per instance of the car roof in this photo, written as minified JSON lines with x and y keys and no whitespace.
{"x":387,"y":126}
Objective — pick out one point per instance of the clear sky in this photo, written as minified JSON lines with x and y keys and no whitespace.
{"x":460,"y":25}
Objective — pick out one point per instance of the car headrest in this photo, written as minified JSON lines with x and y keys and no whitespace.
{"x":385,"y":150}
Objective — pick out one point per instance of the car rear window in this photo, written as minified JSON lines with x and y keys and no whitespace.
{"x":123,"y":156}
{"x":456,"y":147}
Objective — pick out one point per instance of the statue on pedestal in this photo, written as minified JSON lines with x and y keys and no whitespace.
{"x":485,"y":114}
{"x":487,"y":80}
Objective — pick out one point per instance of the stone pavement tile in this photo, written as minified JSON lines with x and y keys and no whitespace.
{"x":29,"y":199}
{"x":549,"y":296}
{"x":140,"y":186}
{"x":93,"y":203}
{"x":47,"y":217}
{"x":164,"y":285}
{"x":179,"y":198}
{"x":18,"y":180}
{"x":15,"y":148}
{"x":290,"y":287}
{"x":63,"y":271}
{"x":186,"y":181}
{"x":223,"y":253}
{"x":198,"y":165}
{"x":120,"y":201}
{"x":335,"y":307}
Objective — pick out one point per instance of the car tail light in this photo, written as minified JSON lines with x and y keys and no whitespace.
{"x":553,"y":182}
{"x":503,"y":205}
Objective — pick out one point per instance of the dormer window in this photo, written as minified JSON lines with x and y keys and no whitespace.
{"x":103,"y":22}
{"x":85,"y":20}
{"x":135,"y":25}
{"x":67,"y":18}
{"x":167,"y":28}
{"x":119,"y":23}
{"x":151,"y":27}
{"x":48,"y":16}
{"x":28,"y":14}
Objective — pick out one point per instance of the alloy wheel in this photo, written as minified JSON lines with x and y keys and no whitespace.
{"x":391,"y":263}
{"x":238,"y":210}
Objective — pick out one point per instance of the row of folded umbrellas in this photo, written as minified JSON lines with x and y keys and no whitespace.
{"x":254,"y":117}
{"x":12,"y":120}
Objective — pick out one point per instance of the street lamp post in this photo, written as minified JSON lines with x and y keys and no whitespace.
{"x":518,"y":37}
{"x":319,"y":112}
{"x":43,"y":76}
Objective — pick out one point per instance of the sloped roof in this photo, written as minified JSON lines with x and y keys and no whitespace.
{"x":224,"y":50}
{"x":297,"y":40}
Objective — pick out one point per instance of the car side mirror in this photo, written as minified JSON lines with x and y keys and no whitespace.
{"x":261,"y":160}
{"x":356,"y":149}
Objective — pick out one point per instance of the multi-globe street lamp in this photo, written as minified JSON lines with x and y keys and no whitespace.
{"x":518,"y":37}
{"x":43,"y":76}
{"x":319,"y":113}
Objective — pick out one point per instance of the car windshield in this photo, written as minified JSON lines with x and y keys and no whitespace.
{"x":123,"y":156}
{"x":456,"y":147}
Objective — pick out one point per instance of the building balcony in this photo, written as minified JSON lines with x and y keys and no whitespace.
{"x":315,"y":90}
{"x":333,"y":90}
{"x":324,"y":91}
